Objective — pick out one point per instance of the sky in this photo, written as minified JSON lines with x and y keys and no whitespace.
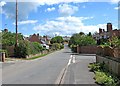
{"x":59,"y":17}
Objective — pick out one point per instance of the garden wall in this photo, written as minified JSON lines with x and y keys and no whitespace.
{"x":87,"y":49}
{"x":112,"y":64}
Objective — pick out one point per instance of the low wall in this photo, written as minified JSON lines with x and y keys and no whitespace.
{"x":112,"y":64}
{"x":43,"y":52}
{"x":87,"y":49}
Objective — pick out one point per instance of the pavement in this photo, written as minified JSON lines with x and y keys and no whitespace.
{"x":78,"y":73}
{"x":60,"y":67}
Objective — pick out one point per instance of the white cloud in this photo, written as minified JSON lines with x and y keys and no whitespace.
{"x":84,"y":6}
{"x":66,"y":26}
{"x":114,"y":1}
{"x":23,"y":9}
{"x":50,"y":9}
{"x":2,"y":3}
{"x":26,"y":35}
{"x":117,"y":8}
{"x":27,"y":22}
{"x":67,"y":10}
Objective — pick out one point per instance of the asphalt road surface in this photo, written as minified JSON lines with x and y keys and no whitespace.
{"x":60,"y":67}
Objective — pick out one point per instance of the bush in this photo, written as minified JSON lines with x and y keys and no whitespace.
{"x":55,"y":46}
{"x":21,"y":50}
{"x":26,"y":48}
{"x":104,"y":79}
{"x":94,"y":67}
{"x":102,"y":76}
{"x":81,"y":40}
{"x":61,"y":46}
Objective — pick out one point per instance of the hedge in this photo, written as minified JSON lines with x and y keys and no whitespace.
{"x":26,"y":48}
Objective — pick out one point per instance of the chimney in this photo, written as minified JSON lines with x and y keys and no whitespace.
{"x":100,"y":30}
{"x":103,"y":30}
{"x":109,"y":27}
{"x":38,"y":34}
{"x":6,"y":30}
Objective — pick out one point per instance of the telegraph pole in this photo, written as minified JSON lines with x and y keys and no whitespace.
{"x":16,"y":24}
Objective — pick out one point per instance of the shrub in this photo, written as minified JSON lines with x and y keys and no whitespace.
{"x":81,"y":40}
{"x":94,"y":66}
{"x":55,"y":46}
{"x":26,"y":48}
{"x":21,"y":50}
{"x":61,"y":46}
{"x":102,"y":76}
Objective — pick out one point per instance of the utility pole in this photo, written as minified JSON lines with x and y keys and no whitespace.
{"x":16,"y":24}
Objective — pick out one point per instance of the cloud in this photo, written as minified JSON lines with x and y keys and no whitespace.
{"x":117,"y":8}
{"x":27,"y":22}
{"x":2,"y":3}
{"x":84,"y":6}
{"x":67,"y":26}
{"x":114,"y":1}
{"x":24,"y":8}
{"x":67,"y":10}
{"x":50,"y":9}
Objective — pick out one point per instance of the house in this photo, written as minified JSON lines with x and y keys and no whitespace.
{"x":107,"y":34}
{"x":44,"y":41}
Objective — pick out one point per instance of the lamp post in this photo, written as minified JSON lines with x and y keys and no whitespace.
{"x":16,"y":24}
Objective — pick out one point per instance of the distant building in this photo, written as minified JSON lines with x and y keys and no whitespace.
{"x":34,"y":38}
{"x":44,"y":41}
{"x":107,"y":34}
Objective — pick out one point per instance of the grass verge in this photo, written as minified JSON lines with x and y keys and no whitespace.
{"x":35,"y":57}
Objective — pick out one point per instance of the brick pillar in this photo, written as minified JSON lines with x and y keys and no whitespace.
{"x":78,"y":49}
{"x":3,"y":56}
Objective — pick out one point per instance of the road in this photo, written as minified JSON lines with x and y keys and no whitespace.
{"x":60,"y":67}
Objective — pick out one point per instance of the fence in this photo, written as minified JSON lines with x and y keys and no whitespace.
{"x":112,"y":64}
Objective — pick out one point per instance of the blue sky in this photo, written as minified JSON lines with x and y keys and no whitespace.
{"x":61,"y":17}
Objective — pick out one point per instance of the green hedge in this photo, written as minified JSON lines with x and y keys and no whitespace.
{"x":56,"y":46}
{"x":26,"y":48}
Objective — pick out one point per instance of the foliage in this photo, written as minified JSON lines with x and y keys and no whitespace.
{"x":61,"y":46}
{"x":102,"y":76}
{"x":26,"y":48}
{"x":21,"y":50}
{"x":55,"y":46}
{"x":6,"y":53}
{"x":95,"y":66}
{"x":115,"y":42}
{"x":57,"y":39}
{"x":8,"y":38}
{"x":81,"y":40}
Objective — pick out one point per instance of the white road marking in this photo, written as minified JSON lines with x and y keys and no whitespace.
{"x":73,"y":59}
{"x":69,"y":61}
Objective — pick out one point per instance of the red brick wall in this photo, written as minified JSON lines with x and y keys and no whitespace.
{"x":87,"y":49}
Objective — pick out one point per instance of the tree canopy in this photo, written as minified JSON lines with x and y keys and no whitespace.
{"x":81,"y":39}
{"x":57,"y":39}
{"x":8,"y":38}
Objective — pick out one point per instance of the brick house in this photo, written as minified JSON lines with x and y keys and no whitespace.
{"x":107,"y":34}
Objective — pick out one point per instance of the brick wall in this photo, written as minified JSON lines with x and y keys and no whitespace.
{"x":87,"y":49}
